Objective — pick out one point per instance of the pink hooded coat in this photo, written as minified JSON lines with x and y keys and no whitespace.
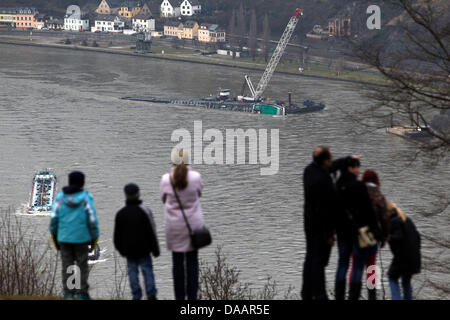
{"x":177,"y":234}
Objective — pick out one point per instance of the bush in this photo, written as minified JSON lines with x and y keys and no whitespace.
{"x":221,"y":282}
{"x":26,"y":268}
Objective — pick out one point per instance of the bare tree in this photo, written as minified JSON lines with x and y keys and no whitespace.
{"x":266,"y":36}
{"x":252,"y":40}
{"x":232,"y":32}
{"x":413,"y":56}
{"x":416,"y":66}
{"x":241,"y":26}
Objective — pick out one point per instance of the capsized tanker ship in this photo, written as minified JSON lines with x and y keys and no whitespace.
{"x":255,"y":103}
{"x":241,"y":104}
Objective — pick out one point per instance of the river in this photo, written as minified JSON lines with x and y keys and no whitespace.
{"x":60,"y":109}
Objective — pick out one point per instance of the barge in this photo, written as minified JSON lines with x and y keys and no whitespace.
{"x":265,"y":107}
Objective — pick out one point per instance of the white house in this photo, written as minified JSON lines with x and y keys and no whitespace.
{"x":143,"y":22}
{"x":74,"y":20}
{"x":170,"y":8}
{"x":108,"y":23}
{"x":190,"y":7}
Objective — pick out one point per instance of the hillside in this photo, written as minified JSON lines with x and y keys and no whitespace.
{"x":219,"y":11}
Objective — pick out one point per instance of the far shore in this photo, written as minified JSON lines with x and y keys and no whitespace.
{"x":238,"y":64}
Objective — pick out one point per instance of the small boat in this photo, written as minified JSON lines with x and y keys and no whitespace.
{"x":43,"y":191}
{"x":411,"y":132}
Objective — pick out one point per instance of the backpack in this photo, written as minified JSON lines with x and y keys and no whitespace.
{"x":411,"y":246}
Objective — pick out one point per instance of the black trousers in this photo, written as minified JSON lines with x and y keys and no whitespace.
{"x":317,"y":255}
{"x":75,"y":256}
{"x":185,"y":275}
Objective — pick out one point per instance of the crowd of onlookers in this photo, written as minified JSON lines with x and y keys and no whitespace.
{"x":337,"y":205}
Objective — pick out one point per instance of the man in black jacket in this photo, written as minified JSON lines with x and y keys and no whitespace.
{"x":319,"y":210}
{"x":135,"y":238}
{"x":355,"y":212}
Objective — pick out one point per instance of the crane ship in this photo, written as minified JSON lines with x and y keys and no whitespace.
{"x":255,"y":103}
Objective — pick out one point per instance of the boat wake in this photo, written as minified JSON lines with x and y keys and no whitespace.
{"x":24,"y":210}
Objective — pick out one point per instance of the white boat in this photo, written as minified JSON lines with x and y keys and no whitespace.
{"x":43,"y":191}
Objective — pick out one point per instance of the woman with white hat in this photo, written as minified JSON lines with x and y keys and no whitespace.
{"x":186,"y":184}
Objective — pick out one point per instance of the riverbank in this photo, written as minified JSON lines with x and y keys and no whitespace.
{"x":189,"y":55}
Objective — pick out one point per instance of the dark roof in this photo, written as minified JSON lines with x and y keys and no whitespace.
{"x":175,"y":3}
{"x":194,"y":2}
{"x":143,"y":16}
{"x":189,"y":24}
{"x":8,"y":11}
{"x":55,"y":21}
{"x":130,"y":4}
{"x":26,"y":10}
{"x":113,"y":3}
{"x":172,"y":24}
{"x":105,"y":17}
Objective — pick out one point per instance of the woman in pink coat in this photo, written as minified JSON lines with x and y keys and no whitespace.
{"x":189,"y":186}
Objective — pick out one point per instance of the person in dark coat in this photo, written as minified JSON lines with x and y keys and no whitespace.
{"x":356,"y":211}
{"x":405,"y":243}
{"x":135,"y":238}
{"x":319,"y":209}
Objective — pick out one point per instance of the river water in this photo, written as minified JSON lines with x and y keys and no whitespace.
{"x":60,"y":109}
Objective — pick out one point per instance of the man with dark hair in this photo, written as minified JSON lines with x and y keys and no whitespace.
{"x":319,"y":209}
{"x":74,"y":227}
{"x":135,"y":238}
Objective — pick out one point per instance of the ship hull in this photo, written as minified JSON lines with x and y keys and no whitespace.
{"x":229,"y":105}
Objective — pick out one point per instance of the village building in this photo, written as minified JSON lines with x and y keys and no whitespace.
{"x":340,"y":27}
{"x":211,"y":33}
{"x":143,"y":22}
{"x":170,"y":8}
{"x":25,"y":18}
{"x":53,"y":23}
{"x":108,"y":7}
{"x":190,"y":7}
{"x":108,"y":23}
{"x":129,"y":9}
{"x":190,"y":30}
{"x":39,"y":21}
{"x":8,"y":17}
{"x":74,"y":20}
{"x":125,"y":9}
{"x":173,"y":29}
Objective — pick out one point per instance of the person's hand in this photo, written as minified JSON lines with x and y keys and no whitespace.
{"x":93,"y":244}
{"x":55,"y":243}
{"x":358,"y":156}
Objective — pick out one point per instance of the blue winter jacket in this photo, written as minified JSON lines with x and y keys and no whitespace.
{"x":74,"y":218}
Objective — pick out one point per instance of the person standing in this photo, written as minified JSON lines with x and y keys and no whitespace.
{"x":73,"y":228}
{"x":357,"y":213}
{"x":379,"y":204}
{"x":319,"y":208}
{"x":135,"y":238}
{"x":405,"y":243}
{"x":188,"y":185}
